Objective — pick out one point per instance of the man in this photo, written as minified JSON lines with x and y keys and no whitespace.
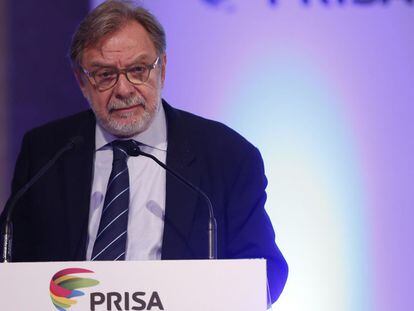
{"x":100,"y":201}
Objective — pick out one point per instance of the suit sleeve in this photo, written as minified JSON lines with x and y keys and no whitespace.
{"x":250,"y":232}
{"x":21,"y":172}
{"x":20,"y":178}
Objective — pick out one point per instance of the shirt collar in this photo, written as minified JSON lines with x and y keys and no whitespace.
{"x":154,"y":137}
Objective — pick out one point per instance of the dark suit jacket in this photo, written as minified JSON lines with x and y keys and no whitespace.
{"x":51,"y":220}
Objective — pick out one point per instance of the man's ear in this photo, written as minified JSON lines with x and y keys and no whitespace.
{"x":81,"y":79}
{"x":163,"y":68}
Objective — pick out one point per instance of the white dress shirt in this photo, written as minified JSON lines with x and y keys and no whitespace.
{"x":147,"y":182}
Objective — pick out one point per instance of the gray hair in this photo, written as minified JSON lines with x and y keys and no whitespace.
{"x":109,"y":17}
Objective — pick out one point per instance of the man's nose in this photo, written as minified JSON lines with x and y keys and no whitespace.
{"x":123,"y":88}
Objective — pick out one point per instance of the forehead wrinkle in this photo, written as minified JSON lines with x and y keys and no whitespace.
{"x":137,"y":60}
{"x":123,"y":48}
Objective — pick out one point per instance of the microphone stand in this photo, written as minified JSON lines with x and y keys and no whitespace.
{"x":8,"y":225}
{"x":212,"y":223}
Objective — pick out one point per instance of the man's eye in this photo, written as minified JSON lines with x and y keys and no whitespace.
{"x":137,"y":70}
{"x":105,"y":74}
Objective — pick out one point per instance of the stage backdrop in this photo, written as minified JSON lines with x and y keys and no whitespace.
{"x":323,"y":88}
{"x":325,"y":91}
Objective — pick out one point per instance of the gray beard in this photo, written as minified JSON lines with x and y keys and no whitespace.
{"x":127,"y":130}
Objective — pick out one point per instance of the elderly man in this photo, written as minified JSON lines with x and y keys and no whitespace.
{"x":102,"y":202}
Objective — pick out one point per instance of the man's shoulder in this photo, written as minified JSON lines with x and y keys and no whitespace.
{"x":206,"y":132}
{"x":69,"y":126}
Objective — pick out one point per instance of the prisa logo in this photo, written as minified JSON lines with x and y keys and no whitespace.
{"x":64,"y":285}
{"x":309,"y":2}
{"x":126,"y":301}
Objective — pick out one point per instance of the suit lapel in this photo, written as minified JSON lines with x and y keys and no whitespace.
{"x":77,"y":183}
{"x":180,"y":200}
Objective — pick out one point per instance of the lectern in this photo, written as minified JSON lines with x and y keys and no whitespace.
{"x":182,"y":285}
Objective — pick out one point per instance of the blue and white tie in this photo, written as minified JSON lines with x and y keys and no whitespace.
{"x":110,"y":243}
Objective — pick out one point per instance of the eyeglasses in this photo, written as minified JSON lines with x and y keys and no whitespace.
{"x":106,"y":77}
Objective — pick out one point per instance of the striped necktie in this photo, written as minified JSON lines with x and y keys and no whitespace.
{"x":110,"y":243}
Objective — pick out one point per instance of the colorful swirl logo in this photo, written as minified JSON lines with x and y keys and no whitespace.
{"x":64,"y":285}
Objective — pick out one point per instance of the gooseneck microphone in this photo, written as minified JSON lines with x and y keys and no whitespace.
{"x":212,"y":223}
{"x":8,"y":225}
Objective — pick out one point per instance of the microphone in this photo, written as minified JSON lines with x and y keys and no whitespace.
{"x":212,"y":223}
{"x":8,"y":225}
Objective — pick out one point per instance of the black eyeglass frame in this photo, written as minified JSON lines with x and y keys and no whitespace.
{"x":92,"y":74}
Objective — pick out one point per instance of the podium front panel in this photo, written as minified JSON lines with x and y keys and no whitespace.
{"x":182,"y":285}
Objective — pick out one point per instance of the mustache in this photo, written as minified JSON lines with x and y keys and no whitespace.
{"x":125,"y":103}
